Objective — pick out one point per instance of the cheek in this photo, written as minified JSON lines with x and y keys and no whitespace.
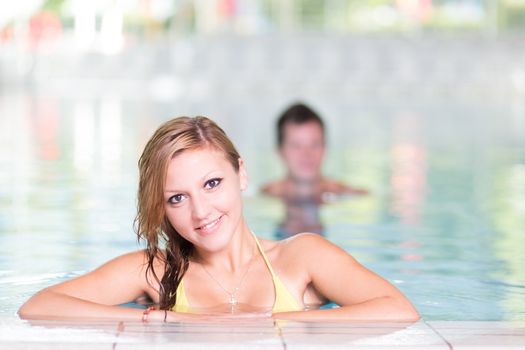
{"x":177,"y":218}
{"x":318,"y":154}
{"x":290,"y":155}
{"x":229,"y":200}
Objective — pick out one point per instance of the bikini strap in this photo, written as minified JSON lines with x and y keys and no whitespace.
{"x":264,"y":255}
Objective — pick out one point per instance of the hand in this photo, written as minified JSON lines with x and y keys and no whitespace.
{"x":244,"y":315}
{"x":172,"y":316}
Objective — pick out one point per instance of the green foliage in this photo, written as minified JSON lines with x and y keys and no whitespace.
{"x":54,"y":6}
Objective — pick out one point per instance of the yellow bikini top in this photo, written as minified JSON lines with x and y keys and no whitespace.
{"x":284,"y":300}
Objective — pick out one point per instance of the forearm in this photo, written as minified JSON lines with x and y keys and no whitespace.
{"x":51,"y":305}
{"x":379,"y":309}
{"x":48,"y":304}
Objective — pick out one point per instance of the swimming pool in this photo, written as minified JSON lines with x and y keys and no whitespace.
{"x":442,"y":153}
{"x":444,"y":221}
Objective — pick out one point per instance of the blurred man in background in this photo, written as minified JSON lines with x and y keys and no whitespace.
{"x":301,"y":145}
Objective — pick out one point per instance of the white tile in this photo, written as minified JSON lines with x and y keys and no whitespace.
{"x":262,"y":345}
{"x":55,"y":346}
{"x":360,"y":335}
{"x":200,"y":335}
{"x":57,"y":333}
{"x":486,"y":342}
{"x":212,"y":326}
{"x":482,"y":335}
{"x":478,"y":327}
{"x":261,"y":335}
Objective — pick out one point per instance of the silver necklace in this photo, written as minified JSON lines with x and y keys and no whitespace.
{"x":233,"y":300}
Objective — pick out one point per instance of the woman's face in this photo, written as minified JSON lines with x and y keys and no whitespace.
{"x":202,"y":197}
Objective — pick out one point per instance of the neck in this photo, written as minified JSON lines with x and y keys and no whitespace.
{"x":303,"y":188}
{"x":301,"y":181}
{"x":234,"y":257}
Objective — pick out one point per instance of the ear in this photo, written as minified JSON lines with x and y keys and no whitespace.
{"x":243,"y":176}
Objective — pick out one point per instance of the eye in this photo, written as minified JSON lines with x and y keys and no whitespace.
{"x":212,"y":183}
{"x":176,"y":199}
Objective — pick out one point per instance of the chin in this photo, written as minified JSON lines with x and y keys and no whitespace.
{"x":214,"y":243}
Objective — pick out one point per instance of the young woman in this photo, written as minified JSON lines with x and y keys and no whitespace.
{"x":202,"y":259}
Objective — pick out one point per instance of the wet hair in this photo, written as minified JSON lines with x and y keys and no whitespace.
{"x":297,"y":113}
{"x":151,"y":223}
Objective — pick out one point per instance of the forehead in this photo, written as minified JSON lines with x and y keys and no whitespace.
{"x":193,"y":166}
{"x":195,"y":161}
{"x":198,"y":155}
{"x":310,"y":128}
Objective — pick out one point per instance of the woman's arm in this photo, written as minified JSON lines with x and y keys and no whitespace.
{"x":361,"y":294}
{"x":95,"y":294}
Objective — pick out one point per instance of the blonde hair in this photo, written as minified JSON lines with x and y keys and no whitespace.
{"x":151,"y":224}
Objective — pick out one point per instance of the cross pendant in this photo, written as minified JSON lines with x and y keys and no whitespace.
{"x":233,"y":301}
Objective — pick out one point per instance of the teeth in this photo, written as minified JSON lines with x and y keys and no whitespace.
{"x":207,"y":226}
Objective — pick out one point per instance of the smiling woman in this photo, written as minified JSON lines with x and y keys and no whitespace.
{"x":202,"y":260}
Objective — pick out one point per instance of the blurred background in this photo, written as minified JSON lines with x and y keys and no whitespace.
{"x":424,"y":102}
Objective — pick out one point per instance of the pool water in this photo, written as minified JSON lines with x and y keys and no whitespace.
{"x":444,"y":220}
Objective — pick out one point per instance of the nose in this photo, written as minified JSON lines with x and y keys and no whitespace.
{"x":200,"y":208}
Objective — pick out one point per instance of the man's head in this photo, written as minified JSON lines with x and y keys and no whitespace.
{"x":300,"y":138}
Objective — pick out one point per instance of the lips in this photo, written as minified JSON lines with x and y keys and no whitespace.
{"x":210,"y":227}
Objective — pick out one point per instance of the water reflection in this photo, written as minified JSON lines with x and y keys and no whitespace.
{"x":408,"y":169}
{"x":84,"y":136}
{"x":110,"y":138}
{"x":507,"y":213}
{"x":301,"y":215}
{"x":45,"y":116}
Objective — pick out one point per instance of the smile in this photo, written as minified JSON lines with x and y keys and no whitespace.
{"x":209,"y":227}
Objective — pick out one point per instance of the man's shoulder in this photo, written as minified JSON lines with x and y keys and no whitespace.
{"x":332,"y":185}
{"x":338,"y":187}
{"x":274,"y":188}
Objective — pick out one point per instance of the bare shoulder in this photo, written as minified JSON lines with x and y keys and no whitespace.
{"x":135,"y":262}
{"x":334,"y":186}
{"x":308,"y":255}
{"x":307,"y":245}
{"x":133,"y":269}
{"x":132,"y":259}
{"x":340,"y":188}
{"x":303,"y":244}
{"x":305,"y":240}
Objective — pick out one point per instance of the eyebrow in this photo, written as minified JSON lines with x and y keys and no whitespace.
{"x":202,"y":179}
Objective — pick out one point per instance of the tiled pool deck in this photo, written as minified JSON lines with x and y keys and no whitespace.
{"x":261,"y":334}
